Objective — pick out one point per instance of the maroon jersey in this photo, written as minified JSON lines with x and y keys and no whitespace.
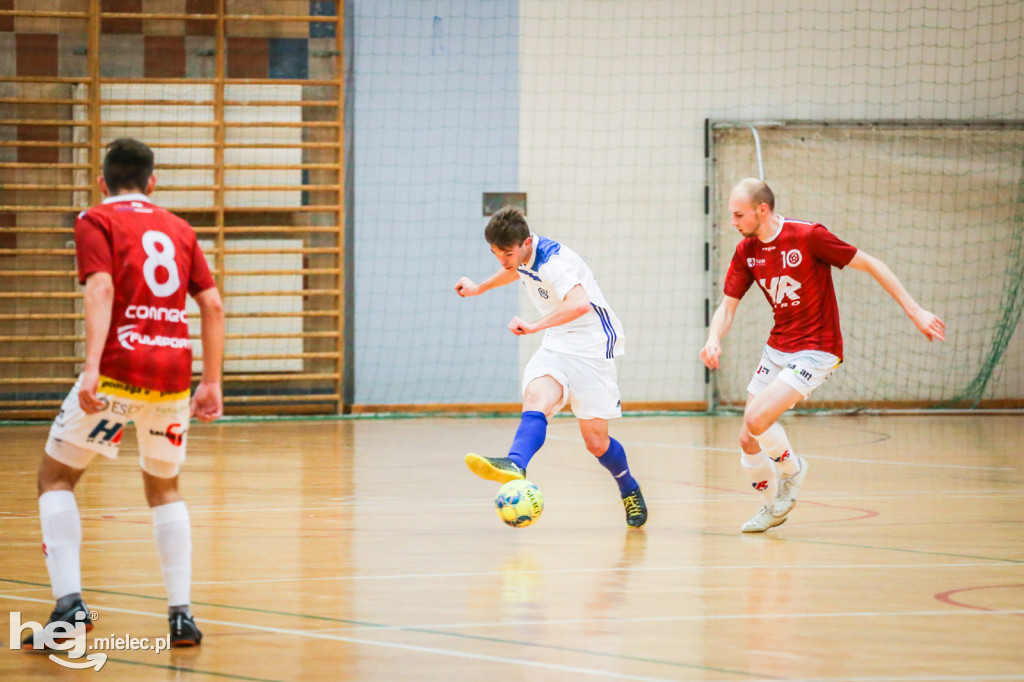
{"x":794,"y":271}
{"x":154,"y":259}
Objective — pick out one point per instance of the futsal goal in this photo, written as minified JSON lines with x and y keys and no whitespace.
{"x":942,"y":203}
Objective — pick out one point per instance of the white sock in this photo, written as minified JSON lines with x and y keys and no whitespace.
{"x":762,"y":475}
{"x":174,"y":544}
{"x":775,"y":444}
{"x":62,"y":541}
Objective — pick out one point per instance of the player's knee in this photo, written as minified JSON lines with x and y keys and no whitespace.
{"x":62,"y":466}
{"x":755,"y":423}
{"x":161,"y":481}
{"x":597,"y":445}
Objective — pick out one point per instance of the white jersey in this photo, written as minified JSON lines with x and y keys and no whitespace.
{"x":553,"y":270}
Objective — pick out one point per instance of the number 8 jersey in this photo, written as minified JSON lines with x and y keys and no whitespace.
{"x":154,"y":260}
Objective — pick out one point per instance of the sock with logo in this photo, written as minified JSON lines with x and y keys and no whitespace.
{"x":775,"y":444}
{"x":762,"y":475}
{"x":62,"y":541}
{"x":614,"y":460}
{"x":533,"y":429}
{"x":174,"y":544}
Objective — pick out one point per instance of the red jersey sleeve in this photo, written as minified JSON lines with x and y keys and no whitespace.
{"x":93,"y":247}
{"x":200,"y":278}
{"x":739,"y":278}
{"x":827,"y":247}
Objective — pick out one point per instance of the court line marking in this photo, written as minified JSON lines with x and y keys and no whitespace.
{"x":195,"y":671}
{"x":778,"y":538}
{"x":727,"y":495}
{"x":423,"y":630}
{"x":687,"y":618}
{"x":433,"y":650}
{"x":556,"y":571}
{"x":809,"y":455}
{"x":923,"y":678}
{"x":947,"y":596}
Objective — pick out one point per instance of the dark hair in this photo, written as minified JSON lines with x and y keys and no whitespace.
{"x":127,"y":165}
{"x":507,"y":228}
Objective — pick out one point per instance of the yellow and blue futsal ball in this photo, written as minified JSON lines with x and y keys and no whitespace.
{"x":519,"y":503}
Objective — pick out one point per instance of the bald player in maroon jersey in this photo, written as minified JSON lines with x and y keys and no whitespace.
{"x":137,"y":262}
{"x":791,"y":261}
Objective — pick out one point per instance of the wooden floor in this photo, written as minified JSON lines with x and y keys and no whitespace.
{"x":364,"y":550}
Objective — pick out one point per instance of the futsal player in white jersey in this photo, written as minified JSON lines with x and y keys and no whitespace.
{"x":791,"y":261}
{"x":575,"y":363}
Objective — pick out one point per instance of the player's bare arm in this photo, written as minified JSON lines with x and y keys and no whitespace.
{"x":207,"y":403}
{"x":99,"y":299}
{"x":574,"y":305}
{"x":927,"y":322}
{"x":721,"y":321}
{"x":466,"y":287}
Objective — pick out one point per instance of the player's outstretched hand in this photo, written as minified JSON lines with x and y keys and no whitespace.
{"x":930,"y":325}
{"x":710,"y":353}
{"x":466,"y":287}
{"x":206,"y":402}
{"x":520,"y":327}
{"x":87,"y":398}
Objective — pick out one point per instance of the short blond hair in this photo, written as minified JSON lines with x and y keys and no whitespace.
{"x":756,"y":191}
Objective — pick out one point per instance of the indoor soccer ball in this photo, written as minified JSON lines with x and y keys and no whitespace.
{"x":519,"y":503}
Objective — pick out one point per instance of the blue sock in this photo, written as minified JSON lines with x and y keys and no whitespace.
{"x":614,"y":460}
{"x":530,"y":435}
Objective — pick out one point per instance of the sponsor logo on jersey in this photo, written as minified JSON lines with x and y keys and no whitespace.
{"x":761,"y":485}
{"x":543,"y":293}
{"x":144,"y":312}
{"x":127,"y":335}
{"x":781,"y":290}
{"x":761,"y":369}
{"x":173,"y":433}
{"x":751,"y":262}
{"x":106,"y":432}
{"x":112,"y":385}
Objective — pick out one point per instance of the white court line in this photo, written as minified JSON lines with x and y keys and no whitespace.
{"x":923,"y":678}
{"x":697,"y":618}
{"x":556,"y":571}
{"x":709,"y":448}
{"x":389,"y":645}
{"x":550,"y":666}
{"x":723,"y":496}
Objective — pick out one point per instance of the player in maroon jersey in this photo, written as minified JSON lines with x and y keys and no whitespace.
{"x":791,"y":261}
{"x":137,"y":262}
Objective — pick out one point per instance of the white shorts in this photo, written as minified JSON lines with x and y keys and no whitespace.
{"x":804,"y":370}
{"x":589,"y":385}
{"x":161,"y":425}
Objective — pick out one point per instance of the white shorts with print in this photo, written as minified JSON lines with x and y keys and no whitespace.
{"x":161,"y":424}
{"x":804,"y":370}
{"x":589,"y":385}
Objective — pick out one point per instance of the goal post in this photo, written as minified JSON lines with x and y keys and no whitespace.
{"x":941,"y":203}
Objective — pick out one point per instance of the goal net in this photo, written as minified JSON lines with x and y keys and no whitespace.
{"x":942,"y":204}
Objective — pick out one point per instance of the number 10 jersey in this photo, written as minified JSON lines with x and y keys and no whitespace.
{"x":154,"y":260}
